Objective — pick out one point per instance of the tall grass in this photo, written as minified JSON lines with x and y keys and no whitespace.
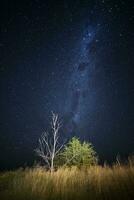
{"x":94,"y":183}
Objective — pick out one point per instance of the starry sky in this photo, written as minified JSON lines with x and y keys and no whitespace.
{"x":75,"y":58}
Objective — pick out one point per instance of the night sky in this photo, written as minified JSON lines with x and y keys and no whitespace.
{"x":75,"y":58}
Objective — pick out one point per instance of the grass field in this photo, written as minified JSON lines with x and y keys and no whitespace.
{"x":107,"y":183}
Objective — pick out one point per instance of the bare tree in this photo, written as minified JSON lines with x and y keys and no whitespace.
{"x":49,"y":146}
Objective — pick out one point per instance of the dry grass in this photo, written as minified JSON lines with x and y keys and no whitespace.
{"x":94,"y":183}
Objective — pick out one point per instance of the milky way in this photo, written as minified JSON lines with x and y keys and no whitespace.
{"x":79,"y":87}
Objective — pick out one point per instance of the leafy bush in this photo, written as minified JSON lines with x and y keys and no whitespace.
{"x":78,"y":153}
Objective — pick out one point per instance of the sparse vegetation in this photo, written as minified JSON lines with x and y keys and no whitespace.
{"x":54,"y":154}
{"x":70,"y":172}
{"x":95,"y":183}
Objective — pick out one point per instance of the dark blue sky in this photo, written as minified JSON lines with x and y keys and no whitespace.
{"x":75,"y":58}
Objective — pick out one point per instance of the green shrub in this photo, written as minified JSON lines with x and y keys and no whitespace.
{"x":77,"y":153}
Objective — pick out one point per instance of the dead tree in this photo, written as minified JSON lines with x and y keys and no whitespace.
{"x":49,"y":146}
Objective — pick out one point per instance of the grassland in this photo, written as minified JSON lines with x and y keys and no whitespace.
{"x":94,"y":183}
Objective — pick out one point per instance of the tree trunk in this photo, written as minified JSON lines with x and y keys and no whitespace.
{"x":52,"y":165}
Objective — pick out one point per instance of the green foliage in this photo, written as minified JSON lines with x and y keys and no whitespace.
{"x":78,"y":153}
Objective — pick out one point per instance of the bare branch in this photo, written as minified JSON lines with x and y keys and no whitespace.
{"x":49,"y":146}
